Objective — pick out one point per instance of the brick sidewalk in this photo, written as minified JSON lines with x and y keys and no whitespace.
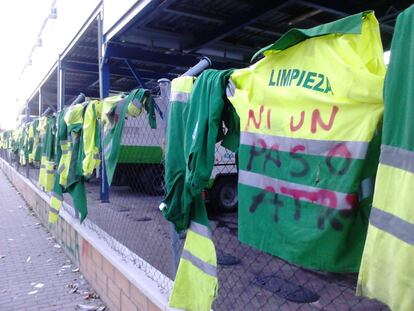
{"x":35,"y":274}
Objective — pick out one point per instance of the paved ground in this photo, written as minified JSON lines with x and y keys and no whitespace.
{"x":35,"y":273}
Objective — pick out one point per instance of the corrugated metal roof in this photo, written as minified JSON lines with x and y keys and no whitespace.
{"x":168,"y":40}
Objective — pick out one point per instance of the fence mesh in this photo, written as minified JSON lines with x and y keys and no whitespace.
{"x":132,"y":224}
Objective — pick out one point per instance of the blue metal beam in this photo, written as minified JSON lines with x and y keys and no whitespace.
{"x":83,"y":67}
{"x":195,"y":15}
{"x":76,"y":92}
{"x":104,"y":92}
{"x":95,"y":83}
{"x":68,"y":92}
{"x":60,"y":85}
{"x":115,"y":71}
{"x":104,"y":81}
{"x":143,"y":85}
{"x":153,"y":57}
{"x":144,"y":75}
{"x":264,"y":9}
{"x":135,"y":74}
{"x":173,"y":60}
{"x":104,"y":84}
{"x":342,"y":8}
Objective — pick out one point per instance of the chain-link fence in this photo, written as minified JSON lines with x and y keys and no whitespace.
{"x":132,"y":224}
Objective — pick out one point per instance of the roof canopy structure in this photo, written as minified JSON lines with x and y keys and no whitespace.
{"x":166,"y":37}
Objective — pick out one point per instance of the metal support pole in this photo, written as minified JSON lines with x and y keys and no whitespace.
{"x":143,"y":85}
{"x":165,"y":90}
{"x":40,"y":101}
{"x":103,"y":92}
{"x":60,"y":85}
{"x":204,"y":63}
{"x":135,"y":74}
{"x":104,"y":83}
{"x":79,"y":99}
{"x":46,"y":112}
{"x":103,"y":62}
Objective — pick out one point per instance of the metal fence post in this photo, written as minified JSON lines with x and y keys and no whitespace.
{"x":60,"y":85}
{"x":204,"y":63}
{"x":103,"y":92}
{"x":165,"y":90}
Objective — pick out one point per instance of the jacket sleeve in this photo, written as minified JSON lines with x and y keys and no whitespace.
{"x":203,"y":126}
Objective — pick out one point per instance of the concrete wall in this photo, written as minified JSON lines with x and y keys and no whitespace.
{"x":121,"y":285}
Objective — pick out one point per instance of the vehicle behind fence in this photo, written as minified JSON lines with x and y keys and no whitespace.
{"x":131,"y":223}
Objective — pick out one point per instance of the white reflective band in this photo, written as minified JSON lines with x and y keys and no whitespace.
{"x":200,"y":264}
{"x":96,"y":156}
{"x":137,"y":103}
{"x":397,"y":157}
{"x":366,"y":189}
{"x":50,"y":171}
{"x":54,"y":211}
{"x":335,"y":199}
{"x":61,"y":168}
{"x":57,"y":196}
{"x":66,"y":151}
{"x":42,"y":166}
{"x":179,"y":97}
{"x":401,"y":229}
{"x":200,"y":229}
{"x":357,"y":149}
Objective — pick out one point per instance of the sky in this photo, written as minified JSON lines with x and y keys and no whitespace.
{"x":20,"y":23}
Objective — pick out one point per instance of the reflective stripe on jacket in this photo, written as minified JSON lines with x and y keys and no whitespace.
{"x":387,"y":269}
{"x":91,"y":137}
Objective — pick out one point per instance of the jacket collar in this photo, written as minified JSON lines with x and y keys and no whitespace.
{"x":348,"y":25}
